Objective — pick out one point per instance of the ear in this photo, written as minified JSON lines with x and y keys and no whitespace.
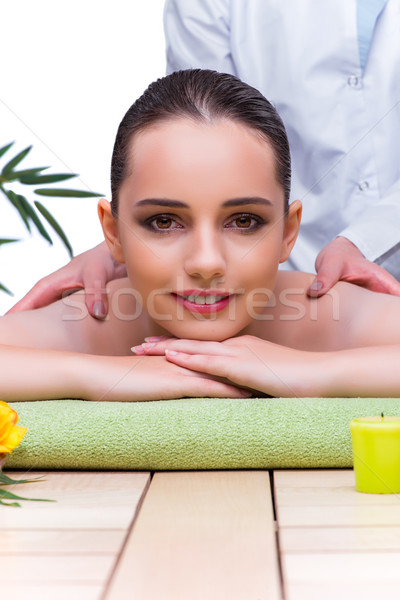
{"x":291,"y":230}
{"x":110,"y":230}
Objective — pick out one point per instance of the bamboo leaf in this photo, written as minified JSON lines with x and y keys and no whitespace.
{"x":6,"y":290}
{"x":33,"y":216}
{"x":9,"y":503}
{"x":26,"y":172}
{"x":60,"y":193}
{"x":55,"y":225}
{"x":5,"y":480}
{"x":4,"y":149}
{"x":10,"y":496}
{"x":16,"y":201}
{"x":7,"y":241}
{"x":8,"y":168}
{"x":40,"y":179}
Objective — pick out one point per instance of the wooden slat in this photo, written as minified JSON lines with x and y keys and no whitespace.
{"x":333,"y":576}
{"x":68,"y":548}
{"x":20,"y":591}
{"x":339,"y":539}
{"x":201,"y":535}
{"x":336,"y":542}
{"x":84,"y":500}
{"x":79,"y":541}
{"x":47,"y":569}
{"x":350,"y":516}
{"x":314,"y":478}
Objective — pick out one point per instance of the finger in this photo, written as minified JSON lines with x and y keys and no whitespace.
{"x":210,"y":388}
{"x":96,"y":297}
{"x":328,"y":273}
{"x":44,"y":293}
{"x":375,"y":278}
{"x":203,"y":363}
{"x":158,"y":338}
{"x":385,"y":283}
{"x":186,"y":346}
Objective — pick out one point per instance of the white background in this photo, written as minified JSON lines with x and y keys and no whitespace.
{"x":69,"y":71}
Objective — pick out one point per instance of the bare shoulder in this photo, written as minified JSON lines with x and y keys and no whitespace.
{"x":67,"y":325}
{"x":371,"y":318}
{"x":39,"y":328}
{"x":124,"y":326}
{"x":347,"y":316}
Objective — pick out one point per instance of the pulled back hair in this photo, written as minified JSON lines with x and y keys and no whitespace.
{"x":201,"y":95}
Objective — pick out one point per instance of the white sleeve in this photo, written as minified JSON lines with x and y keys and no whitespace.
{"x":197,"y":35}
{"x":377,"y":232}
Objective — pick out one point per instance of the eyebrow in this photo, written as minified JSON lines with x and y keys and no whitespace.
{"x":228,"y":203}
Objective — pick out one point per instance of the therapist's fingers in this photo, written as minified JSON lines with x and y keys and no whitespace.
{"x":329,"y":273}
{"x":340,"y":260}
{"x":45,"y":292}
{"x":373,"y":277}
{"x":96,"y":298}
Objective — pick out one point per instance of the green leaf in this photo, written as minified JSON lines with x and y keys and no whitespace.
{"x":7,"y":241}
{"x":4,"y":149}
{"x":16,"y":201}
{"x":5,"y":480}
{"x":26,"y":172}
{"x":65,"y":193}
{"x":40,"y":179}
{"x":55,"y":225}
{"x":6,"y":290}
{"x":33,"y":216}
{"x":8,"y":168}
{"x":11,"y":496}
{"x":9,"y":503}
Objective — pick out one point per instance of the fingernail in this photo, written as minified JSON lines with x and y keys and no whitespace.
{"x":316,"y":286}
{"x":137,"y":349}
{"x":99,"y":309}
{"x":171,"y":352}
{"x":148,"y":345}
{"x":153,"y":338}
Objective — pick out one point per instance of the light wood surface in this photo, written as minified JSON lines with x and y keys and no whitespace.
{"x":192,"y":535}
{"x":67,"y":548}
{"x":336,"y":542}
{"x":202,"y":535}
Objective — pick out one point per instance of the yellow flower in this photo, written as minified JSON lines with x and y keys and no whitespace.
{"x":11,"y":434}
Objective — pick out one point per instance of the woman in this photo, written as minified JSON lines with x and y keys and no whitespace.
{"x":200,"y":217}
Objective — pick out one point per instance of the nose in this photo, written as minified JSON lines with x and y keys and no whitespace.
{"x":205,"y":257}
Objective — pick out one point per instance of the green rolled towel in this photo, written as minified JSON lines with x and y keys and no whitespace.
{"x":199,"y":433}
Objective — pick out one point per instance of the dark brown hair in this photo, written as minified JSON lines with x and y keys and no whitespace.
{"x":202,"y":95}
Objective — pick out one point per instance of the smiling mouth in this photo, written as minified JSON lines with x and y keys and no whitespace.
{"x":201,"y":300}
{"x":203,"y":303}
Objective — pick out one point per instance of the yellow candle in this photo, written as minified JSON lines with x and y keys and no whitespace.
{"x":376,"y":454}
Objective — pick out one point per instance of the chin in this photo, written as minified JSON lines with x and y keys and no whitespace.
{"x":210,"y":331}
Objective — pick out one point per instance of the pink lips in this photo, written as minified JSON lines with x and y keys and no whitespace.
{"x":217,"y":299}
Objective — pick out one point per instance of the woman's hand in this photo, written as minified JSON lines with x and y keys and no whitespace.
{"x":248,"y":362}
{"x":90,"y":271}
{"x":149,"y":378}
{"x":99,"y":378}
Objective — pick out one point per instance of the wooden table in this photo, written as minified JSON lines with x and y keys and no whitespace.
{"x":234,"y":535}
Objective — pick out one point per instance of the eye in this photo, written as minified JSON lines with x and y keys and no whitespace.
{"x":245,"y":221}
{"x":163,"y":223}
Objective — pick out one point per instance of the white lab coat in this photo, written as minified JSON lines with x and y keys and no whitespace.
{"x":343,"y":125}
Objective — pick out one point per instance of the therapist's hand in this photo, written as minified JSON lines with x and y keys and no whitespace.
{"x":341,"y":260}
{"x":90,"y":270}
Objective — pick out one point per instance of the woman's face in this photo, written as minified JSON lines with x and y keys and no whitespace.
{"x":201,"y":226}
